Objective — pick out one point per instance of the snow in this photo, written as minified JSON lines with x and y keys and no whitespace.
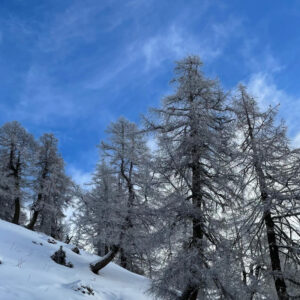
{"x":27,"y":272}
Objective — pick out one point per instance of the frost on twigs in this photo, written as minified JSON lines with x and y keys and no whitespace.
{"x":60,"y":258}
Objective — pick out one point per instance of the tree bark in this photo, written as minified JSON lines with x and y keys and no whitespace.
{"x":190,"y":293}
{"x":16,"y":217}
{"x":275,"y":259}
{"x":39,"y":199}
{"x":33,"y":220}
{"x":123,"y":259}
{"x":191,"y":290}
{"x":15,"y":173}
{"x":105,"y":260}
{"x":36,"y":211}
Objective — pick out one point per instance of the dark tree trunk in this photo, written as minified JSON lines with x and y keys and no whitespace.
{"x":38,"y":201}
{"x":190,"y":293}
{"x":275,"y":259}
{"x":127,"y":223}
{"x":105,"y":260}
{"x":123,"y":259}
{"x":33,"y":220}
{"x":36,"y":210}
{"x":191,"y":290}
{"x":16,"y":217}
{"x":16,"y":169}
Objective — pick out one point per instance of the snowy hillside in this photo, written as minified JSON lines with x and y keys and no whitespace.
{"x":27,"y":272}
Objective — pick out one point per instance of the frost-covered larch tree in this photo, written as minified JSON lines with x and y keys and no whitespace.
{"x":270,"y":220}
{"x":194,"y":138}
{"x":17,"y":150}
{"x":52,"y":188}
{"x":122,"y":198}
{"x":95,"y":216}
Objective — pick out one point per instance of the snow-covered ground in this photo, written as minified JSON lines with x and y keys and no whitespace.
{"x":28,"y":273}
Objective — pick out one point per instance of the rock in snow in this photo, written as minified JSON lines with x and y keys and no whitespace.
{"x":27,"y":271}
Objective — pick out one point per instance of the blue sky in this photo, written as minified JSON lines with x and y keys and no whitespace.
{"x":71,"y":67}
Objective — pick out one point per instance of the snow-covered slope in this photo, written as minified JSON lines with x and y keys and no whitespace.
{"x":28,"y":273}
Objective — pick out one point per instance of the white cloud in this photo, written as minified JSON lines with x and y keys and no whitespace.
{"x":263,"y":88}
{"x":72,"y":24}
{"x":258,"y":61}
{"x":295,"y":142}
{"x":177,"y":42}
{"x":152,"y":144}
{"x":41,"y":100}
{"x":80,"y":177}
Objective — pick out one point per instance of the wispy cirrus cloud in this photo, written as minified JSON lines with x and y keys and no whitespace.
{"x":41,"y":100}
{"x":149,"y":53}
{"x":178,"y":42}
{"x":76,"y":66}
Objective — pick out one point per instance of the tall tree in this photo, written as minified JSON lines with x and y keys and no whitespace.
{"x":271,"y":185}
{"x":51,"y":186}
{"x":17,"y":148}
{"x":96,"y":216}
{"x":128,"y":214}
{"x":194,"y":157}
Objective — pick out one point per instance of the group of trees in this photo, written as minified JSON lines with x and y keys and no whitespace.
{"x":212,"y":212}
{"x":34,"y":189}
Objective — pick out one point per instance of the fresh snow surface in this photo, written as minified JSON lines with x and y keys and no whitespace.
{"x":28,"y":273}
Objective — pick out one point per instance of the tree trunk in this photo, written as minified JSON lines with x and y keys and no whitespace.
{"x":123,"y":259}
{"x":36,"y":210}
{"x":105,"y":260}
{"x":190,"y":293}
{"x":33,"y":220}
{"x":16,"y":174}
{"x":16,"y":217}
{"x":191,"y":290}
{"x":275,"y":259}
{"x":272,"y":243}
{"x":127,"y":224}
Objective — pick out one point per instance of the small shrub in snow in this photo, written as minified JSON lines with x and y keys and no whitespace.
{"x":60,"y":258}
{"x":51,"y":241}
{"x":36,"y":243}
{"x":84,"y":289}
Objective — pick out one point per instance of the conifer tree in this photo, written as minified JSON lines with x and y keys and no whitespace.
{"x":52,"y":188}
{"x":194,"y":133}
{"x":123,"y":197}
{"x":271,"y":195}
{"x":17,"y":150}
